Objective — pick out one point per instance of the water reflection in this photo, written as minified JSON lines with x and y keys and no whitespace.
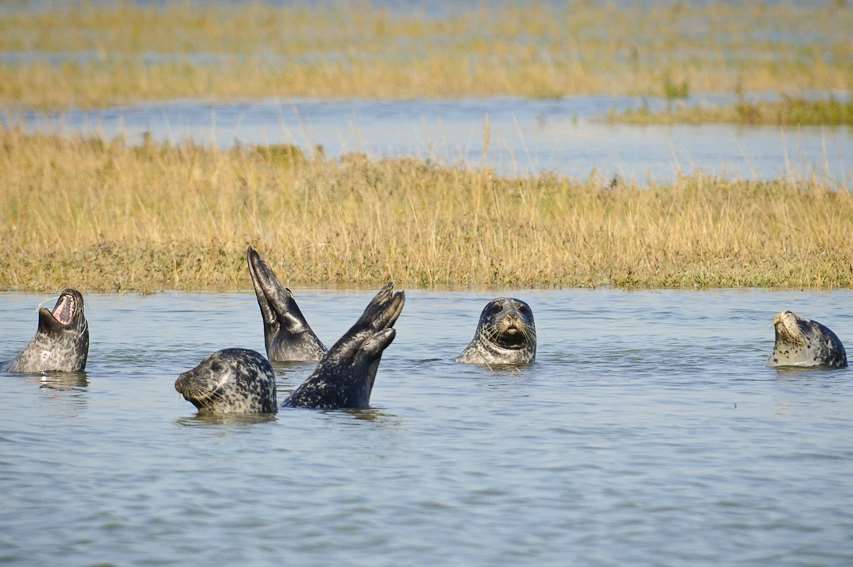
{"x":64,"y":380}
{"x":370,"y":415}
{"x":202,"y":419}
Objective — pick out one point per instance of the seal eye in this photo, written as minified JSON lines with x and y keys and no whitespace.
{"x":216,"y":367}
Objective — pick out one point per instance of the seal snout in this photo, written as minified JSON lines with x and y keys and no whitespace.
{"x":182,"y":384}
{"x":787,"y":327}
{"x":512,"y":325}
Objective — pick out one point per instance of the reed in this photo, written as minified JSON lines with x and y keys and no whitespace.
{"x":111,"y":53}
{"x":106,"y":216}
{"x":787,"y":112}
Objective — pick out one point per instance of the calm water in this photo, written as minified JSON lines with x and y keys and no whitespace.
{"x":513,"y":136}
{"x":649,"y":431}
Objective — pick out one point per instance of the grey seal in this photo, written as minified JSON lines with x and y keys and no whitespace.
{"x":61,"y":343}
{"x":506,"y":334}
{"x":230,"y":381}
{"x":287,"y":335}
{"x":345,"y":376}
{"x":804,"y":343}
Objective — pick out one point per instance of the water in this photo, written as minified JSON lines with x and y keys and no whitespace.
{"x":511,"y":135}
{"x":649,"y":431}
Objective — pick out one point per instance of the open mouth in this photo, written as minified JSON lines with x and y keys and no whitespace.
{"x":513,"y":336}
{"x":64,"y":309}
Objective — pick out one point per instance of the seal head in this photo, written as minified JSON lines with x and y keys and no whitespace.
{"x":345,"y":376}
{"x":61,"y":343}
{"x":230,"y":381}
{"x":806,"y":344}
{"x":506,"y":334}
{"x":287,"y":335}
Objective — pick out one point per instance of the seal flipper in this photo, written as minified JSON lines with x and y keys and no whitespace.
{"x":345,"y":376}
{"x":380,"y":314}
{"x":287,"y":335}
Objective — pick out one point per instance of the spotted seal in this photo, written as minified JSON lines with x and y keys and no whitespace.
{"x":804,"y":343}
{"x":230,"y":381}
{"x":506,"y":334}
{"x":287,"y":335}
{"x":61,"y":343}
{"x":345,"y":376}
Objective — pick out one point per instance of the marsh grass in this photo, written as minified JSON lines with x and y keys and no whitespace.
{"x":787,"y":112}
{"x":123,"y":52}
{"x":106,"y":216}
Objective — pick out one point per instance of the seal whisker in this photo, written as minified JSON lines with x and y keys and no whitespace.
{"x":506,"y":334}
{"x":231,"y":381}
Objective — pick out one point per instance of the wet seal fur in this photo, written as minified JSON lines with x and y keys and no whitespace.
{"x":345,"y":376}
{"x":287,"y":335}
{"x":61,"y":343}
{"x":505,"y":335}
{"x":230,"y":381}
{"x":805,"y":344}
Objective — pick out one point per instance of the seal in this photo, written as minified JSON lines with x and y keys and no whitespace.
{"x":230,"y":381}
{"x":61,"y":343}
{"x":506,"y":334}
{"x":287,"y":335}
{"x":345,"y":376}
{"x":806,"y":344}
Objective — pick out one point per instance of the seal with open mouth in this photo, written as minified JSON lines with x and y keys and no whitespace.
{"x":345,"y":376}
{"x":230,"y":381}
{"x":61,"y":343}
{"x":287,"y":335}
{"x":506,"y":334}
{"x":804,"y":343}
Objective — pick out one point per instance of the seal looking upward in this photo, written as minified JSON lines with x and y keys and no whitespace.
{"x":506,"y":334}
{"x":287,"y":335}
{"x":345,"y":376}
{"x":61,"y":343}
{"x":230,"y":381}
{"x":804,"y":343}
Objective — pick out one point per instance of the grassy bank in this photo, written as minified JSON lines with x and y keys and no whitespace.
{"x":104,"y":216}
{"x":117,"y":53}
{"x":786,"y":112}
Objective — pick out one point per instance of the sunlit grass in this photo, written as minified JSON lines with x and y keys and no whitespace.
{"x":787,"y":112}
{"x":125,"y":52}
{"x":105,"y":216}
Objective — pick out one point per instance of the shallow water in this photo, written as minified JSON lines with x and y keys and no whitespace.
{"x":511,"y":135}
{"x":649,"y":431}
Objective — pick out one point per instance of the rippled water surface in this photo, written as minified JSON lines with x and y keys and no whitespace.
{"x":513,"y":136}
{"x":648,"y":431}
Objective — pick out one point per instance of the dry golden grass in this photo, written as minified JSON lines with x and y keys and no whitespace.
{"x":104,"y":216}
{"x":787,"y":112}
{"x":131,"y":53}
